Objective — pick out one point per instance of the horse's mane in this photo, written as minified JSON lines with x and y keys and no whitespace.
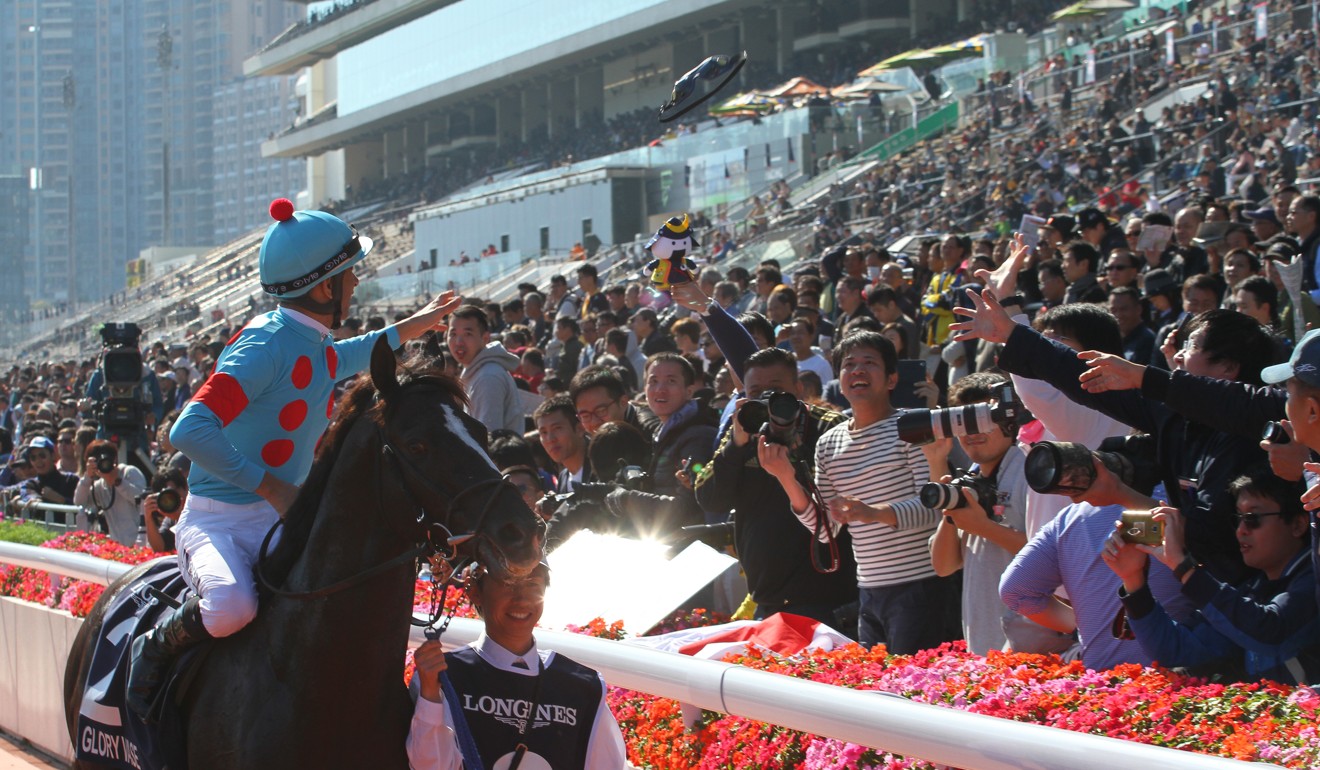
{"x":358,"y":402}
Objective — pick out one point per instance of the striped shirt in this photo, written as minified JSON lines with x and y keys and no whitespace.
{"x":873,"y":466}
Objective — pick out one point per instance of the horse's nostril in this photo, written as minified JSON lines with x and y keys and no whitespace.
{"x":510,"y":534}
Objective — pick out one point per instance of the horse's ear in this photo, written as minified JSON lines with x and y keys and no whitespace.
{"x":383,"y":374}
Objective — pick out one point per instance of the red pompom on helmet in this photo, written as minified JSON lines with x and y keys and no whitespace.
{"x":281,"y":209}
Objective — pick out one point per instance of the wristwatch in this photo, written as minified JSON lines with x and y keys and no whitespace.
{"x":1186,"y":565}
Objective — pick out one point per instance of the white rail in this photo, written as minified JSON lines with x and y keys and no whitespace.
{"x":869,"y":718}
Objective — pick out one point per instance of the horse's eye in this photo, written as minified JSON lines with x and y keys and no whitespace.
{"x":417,"y":447}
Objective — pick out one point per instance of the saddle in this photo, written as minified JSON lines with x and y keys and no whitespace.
{"x":108,"y":732}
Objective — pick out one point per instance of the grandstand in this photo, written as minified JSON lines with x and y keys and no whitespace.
{"x":973,"y":160}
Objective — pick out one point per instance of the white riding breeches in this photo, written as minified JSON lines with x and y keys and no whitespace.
{"x":218,"y":545}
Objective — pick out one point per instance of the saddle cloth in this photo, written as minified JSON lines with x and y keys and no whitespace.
{"x":108,"y":732}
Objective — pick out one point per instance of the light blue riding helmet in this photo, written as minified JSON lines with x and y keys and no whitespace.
{"x":304,"y":248}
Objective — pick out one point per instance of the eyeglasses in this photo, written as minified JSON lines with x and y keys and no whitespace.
{"x":601,"y":413}
{"x":1112,"y":268}
{"x":1253,"y":520}
{"x":535,"y":585}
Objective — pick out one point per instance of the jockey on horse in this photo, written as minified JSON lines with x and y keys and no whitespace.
{"x":251,"y":430}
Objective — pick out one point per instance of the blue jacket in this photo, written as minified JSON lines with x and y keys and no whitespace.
{"x":1271,"y":626}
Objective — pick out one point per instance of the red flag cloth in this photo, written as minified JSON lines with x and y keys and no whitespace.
{"x":783,"y":633}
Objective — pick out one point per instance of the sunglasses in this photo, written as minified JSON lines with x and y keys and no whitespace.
{"x":1112,"y":268}
{"x":1253,"y":520}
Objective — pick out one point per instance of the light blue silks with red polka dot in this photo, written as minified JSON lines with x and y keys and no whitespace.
{"x":266,"y":406}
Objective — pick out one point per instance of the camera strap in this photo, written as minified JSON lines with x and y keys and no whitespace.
{"x":821,"y":530}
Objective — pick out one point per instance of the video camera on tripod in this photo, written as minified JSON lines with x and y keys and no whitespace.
{"x":122,"y":409}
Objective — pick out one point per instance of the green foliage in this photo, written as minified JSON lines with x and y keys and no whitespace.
{"x":25,"y":533}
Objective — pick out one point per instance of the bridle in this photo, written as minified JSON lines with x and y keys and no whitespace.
{"x":439,"y":539}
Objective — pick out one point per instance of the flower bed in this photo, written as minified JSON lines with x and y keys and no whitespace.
{"x":75,"y":596}
{"x":1254,"y":722}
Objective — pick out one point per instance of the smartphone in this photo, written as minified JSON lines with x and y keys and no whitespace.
{"x":1141,"y":527}
{"x":911,"y":372}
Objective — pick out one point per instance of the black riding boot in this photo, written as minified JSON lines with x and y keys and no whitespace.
{"x":154,"y":651}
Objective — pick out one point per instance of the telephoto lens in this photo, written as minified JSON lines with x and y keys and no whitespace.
{"x":942,"y":497}
{"x":921,"y":426}
{"x":1275,"y":434}
{"x":1060,"y":468}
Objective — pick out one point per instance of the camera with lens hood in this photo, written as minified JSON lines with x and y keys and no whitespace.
{"x":1066,"y":468}
{"x":949,"y":497}
{"x":922,"y":426}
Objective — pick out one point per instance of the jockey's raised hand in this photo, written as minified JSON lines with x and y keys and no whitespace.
{"x":429,"y":317}
{"x":986,"y":319}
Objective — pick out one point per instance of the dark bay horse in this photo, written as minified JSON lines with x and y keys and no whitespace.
{"x":319,"y":683}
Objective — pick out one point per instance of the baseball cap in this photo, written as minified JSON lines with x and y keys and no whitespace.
{"x":41,"y":442}
{"x":1265,"y":215}
{"x":1090,"y":217}
{"x":181,"y":363}
{"x":1061,"y":222}
{"x":1304,"y":364}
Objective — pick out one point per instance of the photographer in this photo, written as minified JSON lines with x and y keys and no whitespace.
{"x":979,"y":541}
{"x":1196,"y":461}
{"x":775,"y":551}
{"x":161,"y":509}
{"x":1266,"y":627}
{"x":1066,"y":553}
{"x":112,"y":489}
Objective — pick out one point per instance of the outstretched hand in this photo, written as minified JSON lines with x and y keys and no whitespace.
{"x":1003,"y":280}
{"x":987,"y":319}
{"x":1106,"y":371}
{"x":690,"y":296}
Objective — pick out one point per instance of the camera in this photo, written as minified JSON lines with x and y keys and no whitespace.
{"x":775,"y":415}
{"x":121,"y":371}
{"x":1065,"y":468}
{"x":630,"y":477}
{"x":1141,"y":527}
{"x":169,"y":501}
{"x":921,"y":426}
{"x":949,"y":497}
{"x":105,"y":462}
{"x":1275,"y":434}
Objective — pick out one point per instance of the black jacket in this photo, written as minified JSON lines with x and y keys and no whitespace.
{"x":1185,"y":450}
{"x":773,"y":546}
{"x":671,"y":505}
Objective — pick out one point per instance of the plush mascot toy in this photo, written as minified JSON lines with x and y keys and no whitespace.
{"x":670,"y":246}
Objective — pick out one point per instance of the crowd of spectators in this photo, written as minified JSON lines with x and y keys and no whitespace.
{"x":1113,"y":358}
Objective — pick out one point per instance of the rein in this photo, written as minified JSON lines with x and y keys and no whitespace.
{"x":428,"y":548}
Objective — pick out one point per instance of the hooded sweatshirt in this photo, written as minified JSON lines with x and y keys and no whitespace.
{"x":492,"y":394}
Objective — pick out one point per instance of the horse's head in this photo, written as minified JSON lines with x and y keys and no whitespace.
{"x":440,"y":456}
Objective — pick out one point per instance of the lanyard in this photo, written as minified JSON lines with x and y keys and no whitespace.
{"x":521,"y":750}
